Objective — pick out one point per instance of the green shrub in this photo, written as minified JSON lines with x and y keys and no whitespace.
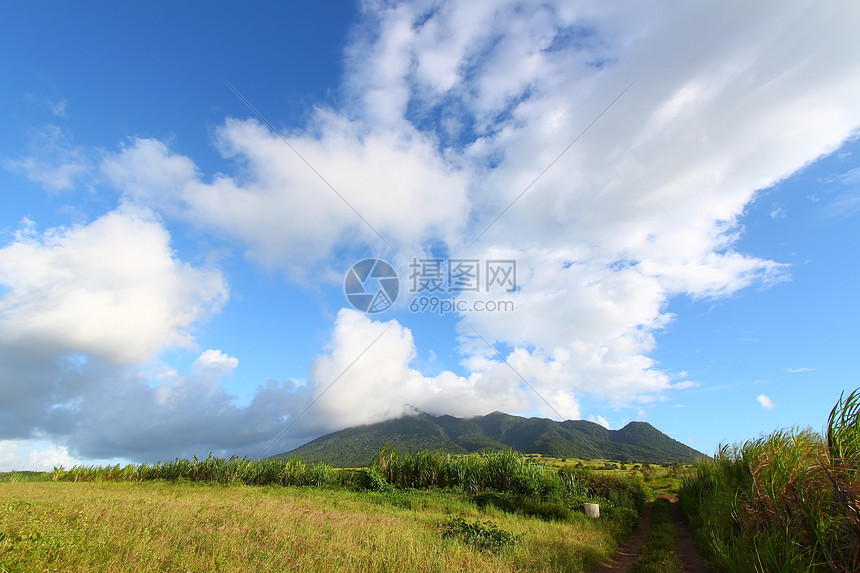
{"x":513,"y":503}
{"x":372,"y":479}
{"x":617,"y":490}
{"x":483,"y":536}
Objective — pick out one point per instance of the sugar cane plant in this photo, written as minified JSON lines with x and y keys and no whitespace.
{"x":789,"y":501}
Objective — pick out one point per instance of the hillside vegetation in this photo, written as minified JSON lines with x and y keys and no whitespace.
{"x":635,"y":442}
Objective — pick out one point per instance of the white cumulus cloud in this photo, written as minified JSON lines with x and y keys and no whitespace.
{"x":112,"y":288}
{"x":382,"y":384}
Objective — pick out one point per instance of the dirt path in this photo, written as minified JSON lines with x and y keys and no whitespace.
{"x":688,"y":554}
{"x":625,"y":557}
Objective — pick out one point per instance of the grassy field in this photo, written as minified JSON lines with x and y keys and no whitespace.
{"x":182,"y":526}
{"x":425,"y":511}
{"x":665,"y":478}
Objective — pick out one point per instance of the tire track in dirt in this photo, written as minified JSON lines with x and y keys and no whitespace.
{"x":625,"y":557}
{"x":688,"y":554}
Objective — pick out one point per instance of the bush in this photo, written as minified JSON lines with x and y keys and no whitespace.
{"x":621,"y":498}
{"x":372,"y":479}
{"x":483,"y":536}
{"x":513,"y":503}
{"x":617,"y":490}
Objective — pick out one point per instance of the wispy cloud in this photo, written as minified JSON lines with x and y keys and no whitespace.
{"x":58,"y":107}
{"x":846,"y":202}
{"x":799,"y":370}
{"x":54,"y":161}
{"x":765,"y":402}
{"x":850,"y":177}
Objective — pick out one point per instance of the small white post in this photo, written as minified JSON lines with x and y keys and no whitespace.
{"x":592,"y":510}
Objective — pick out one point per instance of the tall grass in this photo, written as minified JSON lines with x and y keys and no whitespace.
{"x":498,"y":471}
{"x":235,"y":470}
{"x":784,"y":502}
{"x":510,"y":481}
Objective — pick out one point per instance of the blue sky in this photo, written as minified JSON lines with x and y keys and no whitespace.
{"x":171,"y":270}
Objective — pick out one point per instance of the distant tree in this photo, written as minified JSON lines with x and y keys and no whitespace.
{"x":647,"y":471}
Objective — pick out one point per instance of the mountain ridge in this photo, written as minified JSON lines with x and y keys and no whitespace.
{"x":356,"y":446}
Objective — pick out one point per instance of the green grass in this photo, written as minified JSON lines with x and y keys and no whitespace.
{"x":659,"y":553}
{"x":785,"y":502}
{"x":506,"y":480}
{"x":185,"y":526}
{"x":15,"y":477}
{"x":423,"y":511}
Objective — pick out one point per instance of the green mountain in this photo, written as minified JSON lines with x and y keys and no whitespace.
{"x":635,"y":442}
